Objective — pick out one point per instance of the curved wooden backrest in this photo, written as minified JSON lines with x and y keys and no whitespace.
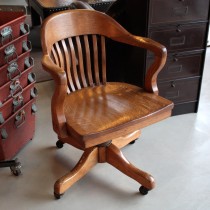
{"x":75,"y":41}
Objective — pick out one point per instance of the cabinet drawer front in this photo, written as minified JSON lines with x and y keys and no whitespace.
{"x":182,"y":90}
{"x":182,"y":38}
{"x":180,"y":66}
{"x":169,"y":11}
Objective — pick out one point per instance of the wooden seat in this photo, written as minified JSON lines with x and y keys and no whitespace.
{"x":88,"y":112}
{"x":114,"y":107}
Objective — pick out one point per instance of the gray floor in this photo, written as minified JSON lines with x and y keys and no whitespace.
{"x":174,"y":151}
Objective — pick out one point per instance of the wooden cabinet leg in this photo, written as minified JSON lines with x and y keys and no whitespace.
{"x":115,"y":157}
{"x":86,"y":162}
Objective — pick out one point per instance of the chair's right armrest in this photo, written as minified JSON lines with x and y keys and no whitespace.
{"x":160,"y":55}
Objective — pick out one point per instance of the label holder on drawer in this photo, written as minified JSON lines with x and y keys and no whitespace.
{"x":6,"y":33}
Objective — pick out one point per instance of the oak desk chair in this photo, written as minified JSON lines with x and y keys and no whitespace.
{"x":88,"y":112}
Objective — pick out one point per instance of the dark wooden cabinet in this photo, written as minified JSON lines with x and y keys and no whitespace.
{"x":180,"y":25}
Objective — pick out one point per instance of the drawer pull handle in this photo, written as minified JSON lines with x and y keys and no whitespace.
{"x":1,"y":118}
{"x":178,"y":29}
{"x":24,"y":28}
{"x":173,"y":85}
{"x":6,"y":33}
{"x":34,"y":92}
{"x":17,"y":103}
{"x":12,"y":69}
{"x":31,"y":77}
{"x":10,"y":54}
{"x":4,"y":134}
{"x":175,"y":59}
{"x":25,"y":46}
{"x":20,"y":119}
{"x":34,"y":108}
{"x":15,"y":89}
{"x":10,"y":50}
{"x":29,"y":61}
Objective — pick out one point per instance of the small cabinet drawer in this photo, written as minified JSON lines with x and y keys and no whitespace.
{"x":179,"y":91}
{"x":180,"y":65}
{"x":171,"y":11}
{"x":180,"y":37}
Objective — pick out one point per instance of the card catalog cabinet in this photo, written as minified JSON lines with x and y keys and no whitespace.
{"x":17,"y":90}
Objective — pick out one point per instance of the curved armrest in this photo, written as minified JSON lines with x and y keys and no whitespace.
{"x":59,"y":76}
{"x":160,"y":54}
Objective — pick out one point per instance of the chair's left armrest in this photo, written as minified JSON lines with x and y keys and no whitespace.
{"x":59,"y":76}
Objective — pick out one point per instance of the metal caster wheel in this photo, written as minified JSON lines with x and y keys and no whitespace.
{"x":143,"y":190}
{"x":16,"y":172}
{"x":59,"y":144}
{"x":57,"y":196}
{"x":15,"y":169}
{"x":132,"y":142}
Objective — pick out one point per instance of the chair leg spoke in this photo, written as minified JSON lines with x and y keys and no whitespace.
{"x":115,"y":157}
{"x":86,"y":162}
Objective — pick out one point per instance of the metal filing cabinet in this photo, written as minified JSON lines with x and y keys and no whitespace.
{"x":180,"y":25}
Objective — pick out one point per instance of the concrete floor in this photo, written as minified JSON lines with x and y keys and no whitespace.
{"x":174,"y":151}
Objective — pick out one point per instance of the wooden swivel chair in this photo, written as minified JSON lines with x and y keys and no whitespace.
{"x":89,"y":113}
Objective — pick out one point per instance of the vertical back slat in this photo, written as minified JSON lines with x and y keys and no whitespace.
{"x":74,"y":64}
{"x":84,"y":60}
{"x":60,"y":55}
{"x":55,"y":56}
{"x":68,"y":65}
{"x":81,"y":64}
{"x":95,"y":54}
{"x":88,"y":60}
{"x":103,"y":59}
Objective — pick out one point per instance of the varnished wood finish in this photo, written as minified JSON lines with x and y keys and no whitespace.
{"x":88,"y":111}
{"x":124,"y":140}
{"x":86,"y":162}
{"x":110,"y":154}
{"x":116,"y":158}
{"x":91,"y":22}
{"x":114,"y":112}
